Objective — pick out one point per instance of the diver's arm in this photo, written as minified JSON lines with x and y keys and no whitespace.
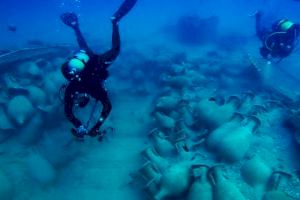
{"x":71,"y":20}
{"x":103,"y":97}
{"x":69,"y":103}
{"x":113,"y":53}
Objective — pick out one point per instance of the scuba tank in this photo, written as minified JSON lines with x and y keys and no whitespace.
{"x":74,"y":66}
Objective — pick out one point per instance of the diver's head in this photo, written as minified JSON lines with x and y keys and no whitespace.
{"x":283,"y":25}
{"x":73,"y":67}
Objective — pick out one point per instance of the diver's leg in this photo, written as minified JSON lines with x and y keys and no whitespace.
{"x":110,"y":55}
{"x":116,"y":41}
{"x":126,"y":6}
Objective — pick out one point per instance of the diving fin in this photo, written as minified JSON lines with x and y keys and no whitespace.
{"x":126,"y":6}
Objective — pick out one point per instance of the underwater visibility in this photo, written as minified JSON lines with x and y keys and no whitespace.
{"x":150,"y":99}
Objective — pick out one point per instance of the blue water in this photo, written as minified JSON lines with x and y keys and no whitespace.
{"x":40,"y":20}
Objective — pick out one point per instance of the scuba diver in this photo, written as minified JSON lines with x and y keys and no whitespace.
{"x":12,"y":28}
{"x":280,"y":41}
{"x":87,"y":71}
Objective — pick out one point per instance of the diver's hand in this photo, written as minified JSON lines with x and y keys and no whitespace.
{"x":70,"y":19}
{"x":94,"y":131}
{"x":79,"y":131}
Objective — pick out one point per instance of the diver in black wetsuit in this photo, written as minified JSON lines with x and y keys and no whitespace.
{"x":87,"y":72}
{"x":278,"y":42}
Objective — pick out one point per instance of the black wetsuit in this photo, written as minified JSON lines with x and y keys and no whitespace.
{"x":92,"y":78}
{"x":276,"y":43}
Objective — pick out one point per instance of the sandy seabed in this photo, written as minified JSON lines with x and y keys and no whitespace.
{"x":41,"y":160}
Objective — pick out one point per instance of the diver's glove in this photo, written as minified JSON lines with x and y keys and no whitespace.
{"x":96,"y":129}
{"x":70,"y":19}
{"x":79,"y":131}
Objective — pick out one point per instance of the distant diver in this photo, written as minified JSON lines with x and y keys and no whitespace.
{"x":280,"y":41}
{"x":12,"y":28}
{"x":86,"y":73}
{"x":36,"y":43}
